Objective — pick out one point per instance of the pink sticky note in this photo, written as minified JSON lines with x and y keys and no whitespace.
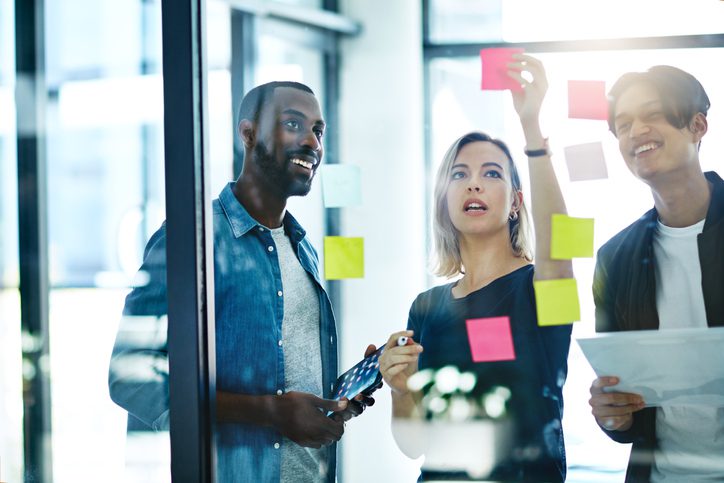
{"x":495,"y":69}
{"x":490,"y":339}
{"x":587,"y":100}
{"x":585,"y":161}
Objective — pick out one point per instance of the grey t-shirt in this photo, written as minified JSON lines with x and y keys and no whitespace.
{"x":302,"y":356}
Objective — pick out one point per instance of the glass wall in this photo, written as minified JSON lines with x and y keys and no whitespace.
{"x":103,"y":138}
{"x":459,"y":106}
{"x":11,"y":369}
{"x":101,"y":133}
{"x":394,"y":102}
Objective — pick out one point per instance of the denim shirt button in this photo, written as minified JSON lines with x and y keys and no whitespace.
{"x":280,"y":343}
{"x":280,"y":293}
{"x":270,"y":248}
{"x":279,"y":392}
{"x":331,"y":340}
{"x":261,"y":228}
{"x":276,"y":445}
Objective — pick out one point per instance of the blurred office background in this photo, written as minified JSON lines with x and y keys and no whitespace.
{"x":398,"y":82}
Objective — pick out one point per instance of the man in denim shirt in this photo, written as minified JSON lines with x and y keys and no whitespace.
{"x":276,"y":345}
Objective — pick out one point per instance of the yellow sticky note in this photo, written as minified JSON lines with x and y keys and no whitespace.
{"x":557,"y":301}
{"x":571,"y":237}
{"x":343,"y":257}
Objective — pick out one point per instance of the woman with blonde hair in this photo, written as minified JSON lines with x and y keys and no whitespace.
{"x":481,"y":235}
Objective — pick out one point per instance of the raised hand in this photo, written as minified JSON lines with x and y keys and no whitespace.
{"x":398,"y":363}
{"x":302,"y":418}
{"x":613,"y":410}
{"x":528,"y":102}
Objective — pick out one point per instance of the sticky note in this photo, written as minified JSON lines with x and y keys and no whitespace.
{"x":571,"y":237}
{"x":490,"y":339}
{"x":341,"y":185}
{"x":495,"y":69}
{"x":587,"y":99}
{"x":585,"y":161}
{"x":343,"y":257}
{"x":557,"y":301}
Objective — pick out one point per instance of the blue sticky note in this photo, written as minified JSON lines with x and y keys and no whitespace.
{"x":341,"y":185}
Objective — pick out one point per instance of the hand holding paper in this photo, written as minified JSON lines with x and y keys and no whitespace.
{"x":613,"y":410}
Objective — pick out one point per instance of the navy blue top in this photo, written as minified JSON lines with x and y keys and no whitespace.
{"x":535,"y":377}
{"x":249,"y":305}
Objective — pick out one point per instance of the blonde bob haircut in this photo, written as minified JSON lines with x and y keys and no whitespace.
{"x":446,"y":251}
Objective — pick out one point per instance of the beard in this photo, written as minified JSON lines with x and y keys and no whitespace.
{"x":278,"y":174}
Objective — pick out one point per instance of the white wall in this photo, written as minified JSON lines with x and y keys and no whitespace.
{"x":381,"y":128}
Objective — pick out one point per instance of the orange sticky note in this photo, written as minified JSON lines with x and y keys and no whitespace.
{"x":495,"y":69}
{"x":343,"y":257}
{"x":490,"y":339}
{"x":557,"y":301}
{"x":587,"y":100}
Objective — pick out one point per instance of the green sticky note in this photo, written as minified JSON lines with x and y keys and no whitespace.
{"x":557,"y":301}
{"x":571,"y":237}
{"x":343,"y":257}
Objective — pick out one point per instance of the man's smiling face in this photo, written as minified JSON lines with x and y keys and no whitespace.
{"x":648,"y":142}
{"x":289,"y":145}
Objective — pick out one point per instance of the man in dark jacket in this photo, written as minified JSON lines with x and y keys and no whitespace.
{"x":664,"y":271}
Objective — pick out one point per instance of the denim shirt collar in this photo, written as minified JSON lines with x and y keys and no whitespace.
{"x":242,"y":222}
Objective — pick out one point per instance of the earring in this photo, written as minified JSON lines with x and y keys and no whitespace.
{"x":513,"y":216}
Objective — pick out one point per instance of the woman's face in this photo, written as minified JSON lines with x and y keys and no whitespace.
{"x":479,"y":196}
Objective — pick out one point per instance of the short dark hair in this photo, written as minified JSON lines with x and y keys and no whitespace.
{"x":252,"y":102}
{"x":682,"y":95}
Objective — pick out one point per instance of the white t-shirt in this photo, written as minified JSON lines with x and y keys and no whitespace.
{"x":691,"y":438}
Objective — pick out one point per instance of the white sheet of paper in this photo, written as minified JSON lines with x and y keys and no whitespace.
{"x":666,"y":367}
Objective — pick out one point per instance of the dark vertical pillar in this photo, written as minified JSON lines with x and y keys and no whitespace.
{"x":192,"y":368}
{"x":243,"y":69}
{"x":33,"y":245}
{"x":333,"y":216}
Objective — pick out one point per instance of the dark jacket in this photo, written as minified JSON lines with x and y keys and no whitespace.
{"x":624,"y":290}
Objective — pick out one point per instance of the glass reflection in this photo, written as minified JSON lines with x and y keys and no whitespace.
{"x":105,"y":163}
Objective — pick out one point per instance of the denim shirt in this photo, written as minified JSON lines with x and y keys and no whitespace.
{"x":249,"y":300}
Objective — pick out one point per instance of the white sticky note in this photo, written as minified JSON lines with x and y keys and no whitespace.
{"x":586,"y":161}
{"x":341,"y":185}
